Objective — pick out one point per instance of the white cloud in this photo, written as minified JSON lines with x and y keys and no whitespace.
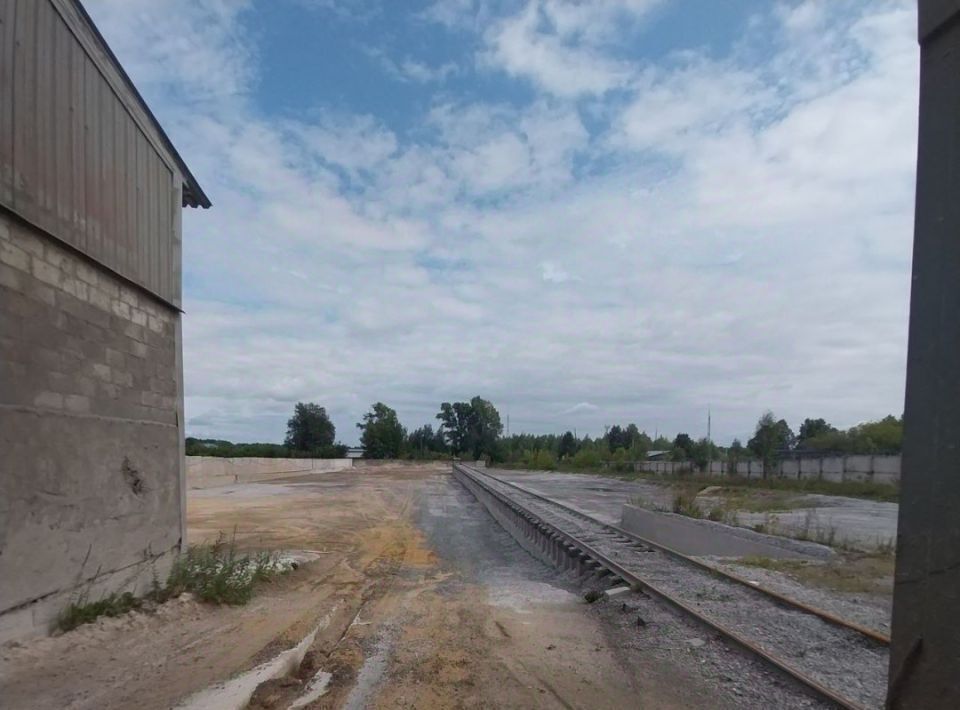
{"x":738,"y":236}
{"x":581,"y":407}
{"x":557,"y":45}
{"x":551,"y":272}
{"x":409,"y":69}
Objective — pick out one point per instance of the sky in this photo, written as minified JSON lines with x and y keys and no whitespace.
{"x":588,"y":213}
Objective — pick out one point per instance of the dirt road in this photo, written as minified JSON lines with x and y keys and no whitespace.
{"x":420,"y":599}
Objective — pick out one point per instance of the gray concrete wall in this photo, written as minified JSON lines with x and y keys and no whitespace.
{"x":90,"y":472}
{"x":213,"y":471}
{"x":881,"y":469}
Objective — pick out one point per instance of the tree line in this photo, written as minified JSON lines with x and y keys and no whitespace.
{"x":466,"y":429}
{"x":473,"y":430}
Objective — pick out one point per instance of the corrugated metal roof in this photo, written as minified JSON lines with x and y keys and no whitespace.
{"x":193,"y":194}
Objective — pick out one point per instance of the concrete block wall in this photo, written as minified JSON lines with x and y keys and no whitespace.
{"x":810,"y":468}
{"x":831,"y":468}
{"x":90,"y":474}
{"x":790,"y":469}
{"x":877,"y":468}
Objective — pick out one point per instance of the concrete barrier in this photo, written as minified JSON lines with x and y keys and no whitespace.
{"x":213,"y":471}
{"x":790,"y":469}
{"x":810,"y":468}
{"x":886,"y":469}
{"x":831,"y":468}
{"x":865,"y":467}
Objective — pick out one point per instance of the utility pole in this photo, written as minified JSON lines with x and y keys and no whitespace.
{"x":709,"y":442}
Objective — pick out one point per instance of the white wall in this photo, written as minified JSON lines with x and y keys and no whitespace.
{"x":212,"y":471}
{"x":881,"y":469}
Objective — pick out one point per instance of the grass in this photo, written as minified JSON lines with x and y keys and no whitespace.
{"x":811,"y":531}
{"x":215,"y":573}
{"x":82,"y":611}
{"x":684,"y":503}
{"x":852,"y":573}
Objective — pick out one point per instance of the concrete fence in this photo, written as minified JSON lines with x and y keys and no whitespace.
{"x":877,"y":468}
{"x":213,"y":471}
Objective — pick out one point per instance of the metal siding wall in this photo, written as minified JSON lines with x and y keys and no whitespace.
{"x":72,"y":158}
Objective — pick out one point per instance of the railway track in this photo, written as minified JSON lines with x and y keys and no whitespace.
{"x":835,"y":660}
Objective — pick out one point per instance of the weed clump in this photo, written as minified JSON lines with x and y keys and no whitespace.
{"x":217,"y":574}
{"x":214,"y":573}
{"x":82,"y":611}
{"x":685,"y":504}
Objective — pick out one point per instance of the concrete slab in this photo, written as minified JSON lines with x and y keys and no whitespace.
{"x":599,"y":496}
{"x":703,"y":538}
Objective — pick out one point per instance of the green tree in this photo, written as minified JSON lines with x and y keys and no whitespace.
{"x":616,"y":438}
{"x":382,"y":435}
{"x":682,"y":447}
{"x":568,"y":446}
{"x":735,"y":453}
{"x":813,"y":429}
{"x":661,"y":443}
{"x":702,"y":452}
{"x":309,"y":429}
{"x":471,"y":428}
{"x":424,"y":442}
{"x":770,"y":438}
{"x":884,"y":436}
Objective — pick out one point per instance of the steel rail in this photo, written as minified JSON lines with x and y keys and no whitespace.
{"x":813,"y":686}
{"x":872,"y":634}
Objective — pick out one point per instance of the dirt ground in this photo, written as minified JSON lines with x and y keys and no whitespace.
{"x":418,"y":598}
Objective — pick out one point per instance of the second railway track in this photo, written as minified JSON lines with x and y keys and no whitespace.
{"x":837,"y":661}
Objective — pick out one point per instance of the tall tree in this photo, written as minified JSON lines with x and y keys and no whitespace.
{"x":682,"y":447}
{"x":382,"y":435}
{"x":568,"y":446}
{"x":770,"y":438}
{"x":471,"y":428}
{"x":661,"y":443}
{"x":813,"y":429}
{"x":425,"y":440}
{"x":617,"y":438}
{"x":309,"y":429}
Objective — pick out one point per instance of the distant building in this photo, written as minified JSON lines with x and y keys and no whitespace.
{"x":91,"y":384}
{"x":355,"y":452}
{"x":657,"y":455}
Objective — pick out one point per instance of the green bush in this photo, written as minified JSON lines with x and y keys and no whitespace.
{"x":543,"y":459}
{"x":587,"y":458}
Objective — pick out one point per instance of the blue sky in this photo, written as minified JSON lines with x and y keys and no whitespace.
{"x":587,"y":212}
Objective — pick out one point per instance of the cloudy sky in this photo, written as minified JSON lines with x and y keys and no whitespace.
{"x":586,"y":212}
